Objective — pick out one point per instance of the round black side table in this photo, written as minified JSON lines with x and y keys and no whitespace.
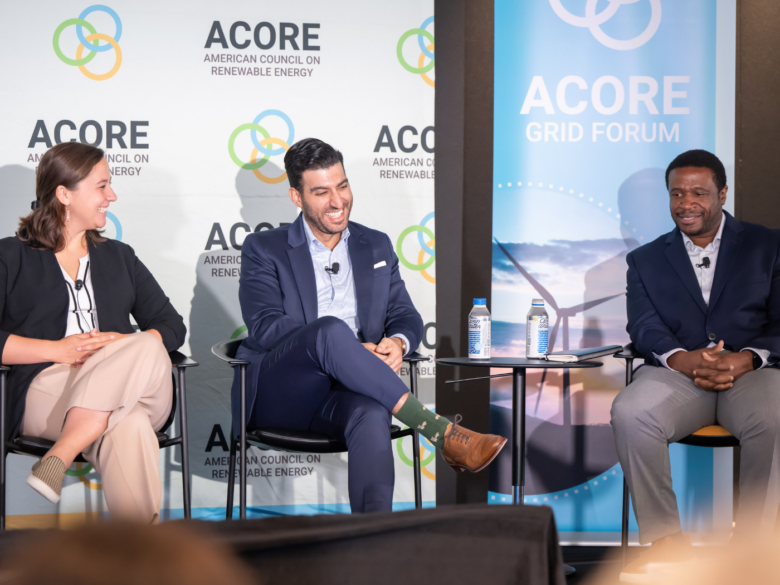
{"x":519,"y":366}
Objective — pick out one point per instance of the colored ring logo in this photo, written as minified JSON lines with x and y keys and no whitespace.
{"x":91,"y":42}
{"x":427,"y":51}
{"x":117,"y":225}
{"x":262,"y":146}
{"x":428,"y":247}
{"x":81,"y":471}
{"x":593,"y":22}
{"x":425,"y":445}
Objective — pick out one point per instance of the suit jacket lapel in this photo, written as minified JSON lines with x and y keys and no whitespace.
{"x":730,"y":244}
{"x":99,"y":283}
{"x":361,"y":256}
{"x":681,"y":262}
{"x":303,"y":269}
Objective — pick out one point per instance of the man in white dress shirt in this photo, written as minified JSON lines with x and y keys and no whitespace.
{"x":703,"y":305}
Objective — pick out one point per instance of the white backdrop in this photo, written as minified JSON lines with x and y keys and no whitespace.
{"x":170,"y":108}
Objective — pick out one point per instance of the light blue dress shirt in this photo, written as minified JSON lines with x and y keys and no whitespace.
{"x":336,"y":292}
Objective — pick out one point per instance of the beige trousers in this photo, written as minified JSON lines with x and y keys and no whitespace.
{"x":131,"y":378}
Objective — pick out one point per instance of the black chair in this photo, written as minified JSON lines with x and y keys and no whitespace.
{"x":38,"y":447}
{"x":295,"y":441}
{"x":711,"y":436}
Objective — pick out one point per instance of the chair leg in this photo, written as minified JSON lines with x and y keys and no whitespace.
{"x":231,"y":477}
{"x":242,"y":439}
{"x":624,"y":533}
{"x":2,"y":450}
{"x":415,"y":443}
{"x":417,"y":472}
{"x":737,"y":456}
{"x":626,"y":494}
{"x":185,"y":454}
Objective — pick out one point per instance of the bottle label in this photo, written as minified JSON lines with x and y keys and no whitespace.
{"x":536,"y":336}
{"x":479,"y":337}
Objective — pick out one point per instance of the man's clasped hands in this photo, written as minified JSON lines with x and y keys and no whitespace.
{"x":712,"y":368}
{"x":389,"y":351}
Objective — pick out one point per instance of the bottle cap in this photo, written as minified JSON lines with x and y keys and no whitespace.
{"x":538,"y":302}
{"x":480,"y":301}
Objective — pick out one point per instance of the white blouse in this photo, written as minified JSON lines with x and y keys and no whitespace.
{"x":82,"y":312}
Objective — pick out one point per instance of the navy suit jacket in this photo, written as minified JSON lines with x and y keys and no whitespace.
{"x":278,"y":294}
{"x":666,"y":309}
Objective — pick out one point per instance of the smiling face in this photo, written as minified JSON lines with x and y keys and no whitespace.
{"x":89,"y":201}
{"x":695,"y":202}
{"x":326,"y":201}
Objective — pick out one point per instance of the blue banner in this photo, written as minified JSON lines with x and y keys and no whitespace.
{"x":593,"y":99}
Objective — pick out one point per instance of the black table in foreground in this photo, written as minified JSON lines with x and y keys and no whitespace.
{"x":518,"y":366}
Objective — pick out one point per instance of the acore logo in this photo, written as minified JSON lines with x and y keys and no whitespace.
{"x":261,"y":146}
{"x":425,"y":460}
{"x":428,"y":247}
{"x":593,"y":21}
{"x":117,"y":226}
{"x":425,"y":41}
{"x":91,"y":42}
{"x":81,"y":472}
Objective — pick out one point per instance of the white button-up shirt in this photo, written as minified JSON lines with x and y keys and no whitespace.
{"x":82,"y":311}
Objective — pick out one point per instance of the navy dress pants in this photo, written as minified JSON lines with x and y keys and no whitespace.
{"x":321,"y":379}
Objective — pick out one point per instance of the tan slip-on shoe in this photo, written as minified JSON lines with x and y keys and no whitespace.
{"x":466,"y":450}
{"x":46,"y":478}
{"x":657,"y":561}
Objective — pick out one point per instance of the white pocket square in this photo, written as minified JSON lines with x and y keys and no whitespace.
{"x":380,"y":264}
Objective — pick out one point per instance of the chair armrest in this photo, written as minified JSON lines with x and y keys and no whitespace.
{"x":628,"y":353}
{"x":5,"y":369}
{"x":226,"y":351}
{"x":179,"y":360}
{"x":415,"y":357}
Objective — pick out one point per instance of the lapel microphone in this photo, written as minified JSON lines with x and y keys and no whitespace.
{"x":704,"y":262}
{"x":335,"y":268}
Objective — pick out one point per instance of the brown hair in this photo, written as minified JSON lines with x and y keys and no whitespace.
{"x":65,"y":164}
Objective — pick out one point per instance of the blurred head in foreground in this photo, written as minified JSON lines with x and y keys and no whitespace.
{"x":122,"y":554}
{"x":750,"y":561}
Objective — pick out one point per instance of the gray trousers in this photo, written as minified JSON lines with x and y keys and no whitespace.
{"x":662,"y":406}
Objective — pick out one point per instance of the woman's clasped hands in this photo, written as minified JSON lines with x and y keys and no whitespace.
{"x":76,"y":349}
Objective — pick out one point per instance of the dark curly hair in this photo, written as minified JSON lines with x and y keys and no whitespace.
{"x":701,"y":159}
{"x":308,"y":154}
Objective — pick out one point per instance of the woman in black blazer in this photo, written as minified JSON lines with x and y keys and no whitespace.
{"x":80,"y":375}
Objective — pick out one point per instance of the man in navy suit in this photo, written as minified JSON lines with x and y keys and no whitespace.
{"x":704,"y":310}
{"x":329,"y":321}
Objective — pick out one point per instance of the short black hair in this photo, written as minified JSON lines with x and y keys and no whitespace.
{"x":308,"y":154}
{"x":701,"y":159}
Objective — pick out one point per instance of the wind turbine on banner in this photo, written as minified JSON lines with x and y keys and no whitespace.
{"x":562,"y":314}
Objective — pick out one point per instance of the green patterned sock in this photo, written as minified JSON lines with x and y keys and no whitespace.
{"x":429,"y":424}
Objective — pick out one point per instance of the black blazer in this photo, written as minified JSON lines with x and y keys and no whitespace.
{"x":34,"y":303}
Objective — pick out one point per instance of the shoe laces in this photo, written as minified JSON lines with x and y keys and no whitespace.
{"x":456,"y":432}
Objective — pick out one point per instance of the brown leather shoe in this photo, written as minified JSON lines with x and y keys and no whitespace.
{"x":464,"y":449}
{"x":659,"y":561}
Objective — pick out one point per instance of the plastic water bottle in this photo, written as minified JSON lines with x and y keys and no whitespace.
{"x":536,"y":331}
{"x":479,"y":331}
